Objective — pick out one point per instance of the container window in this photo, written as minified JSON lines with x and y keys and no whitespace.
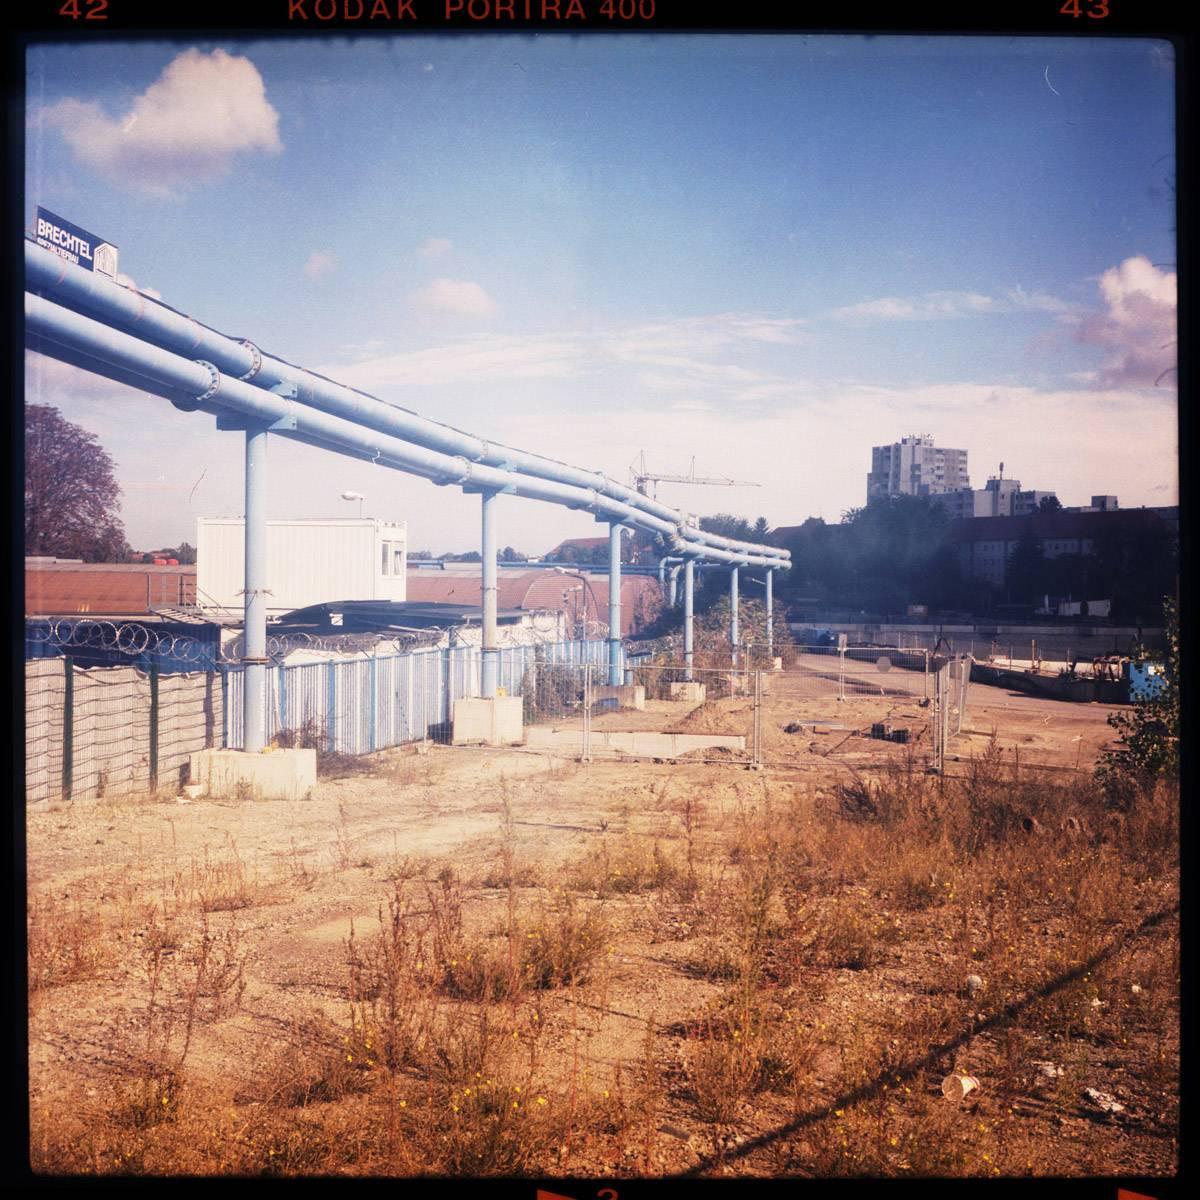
{"x":398,"y":560}
{"x":383,"y":569}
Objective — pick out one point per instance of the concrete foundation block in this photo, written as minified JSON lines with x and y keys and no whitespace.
{"x":693,"y":692}
{"x":492,"y":721}
{"x":627,"y":695}
{"x":278,"y":775}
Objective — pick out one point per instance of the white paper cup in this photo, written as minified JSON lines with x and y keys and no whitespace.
{"x":958,"y":1087}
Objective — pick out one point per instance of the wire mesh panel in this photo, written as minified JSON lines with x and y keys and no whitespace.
{"x":189,"y":719}
{"x":45,"y":690}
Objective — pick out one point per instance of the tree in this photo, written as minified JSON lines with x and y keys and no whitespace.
{"x":1049,"y":504}
{"x":71,"y":494}
{"x":1149,"y":732}
{"x":727,"y":525}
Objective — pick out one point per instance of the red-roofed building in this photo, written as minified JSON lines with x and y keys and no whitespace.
{"x":58,"y":587}
{"x":580,"y":598}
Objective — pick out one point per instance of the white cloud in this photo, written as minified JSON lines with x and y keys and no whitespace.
{"x":320,"y":263}
{"x":466,"y":361}
{"x":182,"y":130}
{"x":462,"y":297}
{"x":673,"y":355}
{"x":936,"y":306}
{"x":435,"y":247}
{"x":1137,"y":329}
{"x":808,"y":463}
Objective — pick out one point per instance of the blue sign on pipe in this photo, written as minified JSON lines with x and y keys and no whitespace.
{"x":75,"y":245}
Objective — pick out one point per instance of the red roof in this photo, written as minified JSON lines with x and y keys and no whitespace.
{"x":116,"y":588}
{"x":641,"y":597}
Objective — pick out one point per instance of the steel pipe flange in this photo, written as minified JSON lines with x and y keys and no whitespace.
{"x":256,"y":361}
{"x":214,"y":387}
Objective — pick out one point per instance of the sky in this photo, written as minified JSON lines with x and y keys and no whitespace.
{"x":761,"y":253}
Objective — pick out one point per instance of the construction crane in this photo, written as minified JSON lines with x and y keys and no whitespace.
{"x":641,"y":477}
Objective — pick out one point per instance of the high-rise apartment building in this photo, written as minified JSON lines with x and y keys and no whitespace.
{"x":914,"y":466}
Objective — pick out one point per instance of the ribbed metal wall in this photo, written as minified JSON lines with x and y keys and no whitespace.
{"x":360,"y":705}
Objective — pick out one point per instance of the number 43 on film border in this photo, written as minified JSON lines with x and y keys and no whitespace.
{"x":1097,"y":10}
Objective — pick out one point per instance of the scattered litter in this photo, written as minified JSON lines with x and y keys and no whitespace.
{"x":1098,"y":1003}
{"x":959,"y":1087}
{"x":1072,"y":827}
{"x":1031,"y":825}
{"x":1048,"y":1070}
{"x":974,"y":985}
{"x":1103,"y":1101}
{"x":1136,"y":989}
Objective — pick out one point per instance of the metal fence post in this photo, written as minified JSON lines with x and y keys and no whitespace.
{"x":756,"y":725}
{"x":68,"y":754}
{"x":372,"y":715}
{"x":586,"y":756}
{"x":154,"y":727}
{"x":331,"y":705}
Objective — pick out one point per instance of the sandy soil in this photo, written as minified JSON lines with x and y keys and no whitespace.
{"x":311,"y":869}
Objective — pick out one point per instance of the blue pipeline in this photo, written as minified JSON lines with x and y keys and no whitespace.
{"x":200,"y":386}
{"x":156,"y":323}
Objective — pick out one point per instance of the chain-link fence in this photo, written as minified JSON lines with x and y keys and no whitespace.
{"x":860,"y":706}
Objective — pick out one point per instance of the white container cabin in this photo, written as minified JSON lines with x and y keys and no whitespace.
{"x":308,"y":562}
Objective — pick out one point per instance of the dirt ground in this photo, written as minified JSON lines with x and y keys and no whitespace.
{"x":133,"y":893}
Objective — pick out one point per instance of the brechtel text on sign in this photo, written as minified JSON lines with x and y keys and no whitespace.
{"x":75,"y":245}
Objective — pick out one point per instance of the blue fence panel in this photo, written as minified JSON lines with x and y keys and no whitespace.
{"x":356,"y":706}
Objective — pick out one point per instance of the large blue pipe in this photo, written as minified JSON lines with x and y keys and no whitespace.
{"x":161,"y":325}
{"x":60,"y":332}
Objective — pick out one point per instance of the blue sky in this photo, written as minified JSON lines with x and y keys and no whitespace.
{"x":766,"y":252}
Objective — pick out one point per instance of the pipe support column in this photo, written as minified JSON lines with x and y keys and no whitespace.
{"x":733,"y":616}
{"x":254,"y":639}
{"x":770,"y":621}
{"x":689,"y":578}
{"x":487,"y":550}
{"x":614,"y":604}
